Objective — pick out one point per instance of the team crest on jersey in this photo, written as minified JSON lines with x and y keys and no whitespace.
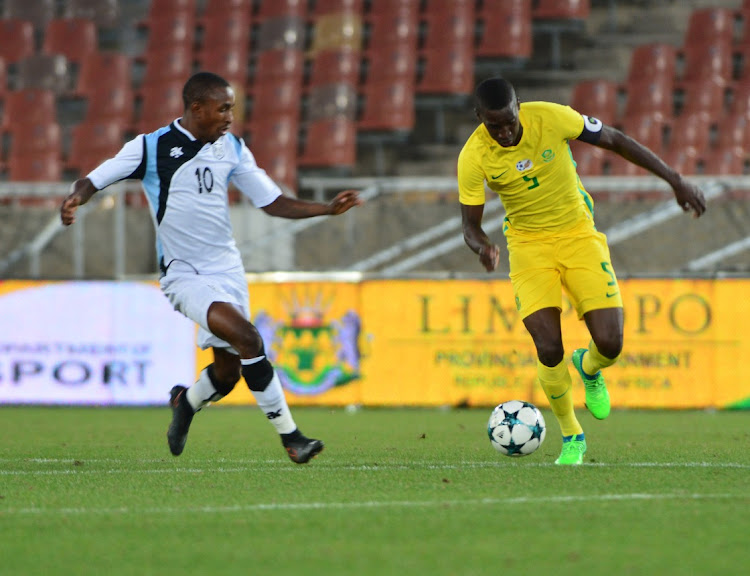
{"x":548,"y":155}
{"x":219,"y":149}
{"x":176,"y":152}
{"x":312,"y":353}
{"x":524,"y":165}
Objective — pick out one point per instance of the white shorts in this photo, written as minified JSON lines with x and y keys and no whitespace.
{"x":192,"y":294}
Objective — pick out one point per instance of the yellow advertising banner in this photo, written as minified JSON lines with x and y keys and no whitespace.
{"x":461,"y":342}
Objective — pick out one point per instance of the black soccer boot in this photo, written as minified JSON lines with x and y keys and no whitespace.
{"x":300,"y":448}
{"x":182,"y":416}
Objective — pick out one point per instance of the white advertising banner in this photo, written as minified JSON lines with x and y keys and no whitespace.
{"x":103,"y":343}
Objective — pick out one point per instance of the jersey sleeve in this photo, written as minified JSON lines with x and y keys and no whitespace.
{"x":128,"y":163}
{"x":470,"y":179}
{"x":568,"y":121}
{"x":252,"y":181}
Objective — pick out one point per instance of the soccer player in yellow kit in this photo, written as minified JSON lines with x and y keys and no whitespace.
{"x":521,"y":151}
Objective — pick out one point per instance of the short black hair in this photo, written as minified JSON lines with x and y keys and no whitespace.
{"x":200,"y":85}
{"x":494,"y":94}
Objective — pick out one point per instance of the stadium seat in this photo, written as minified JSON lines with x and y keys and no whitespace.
{"x":656,"y":98}
{"x":166,"y":8}
{"x":25,"y":107}
{"x":37,"y":138}
{"x":707,"y":26}
{"x":561,"y":10}
{"x":38,"y":12}
{"x":447,"y":70}
{"x":280,"y":98}
{"x":684,"y":161}
{"x":330,"y":142}
{"x":3,"y":81}
{"x":388,"y":106}
{"x":332,"y":66}
{"x":45,"y":72}
{"x":273,"y":132}
{"x":18,"y":40}
{"x":228,"y":61}
{"x":506,"y":29}
{"x":110,"y":103}
{"x":171,"y":32}
{"x":279,"y":33}
{"x":703,"y":62}
{"x":589,"y":159}
{"x":280,"y":165}
{"x":332,"y":100}
{"x":728,"y":160}
{"x":103,"y":13}
{"x":116,"y":67}
{"x":160,"y":105}
{"x":282,"y":8}
{"x":92,"y":143}
{"x":74,"y":38}
{"x":323,"y":7}
{"x":651,"y":61}
{"x":707,"y":98}
{"x":338,"y":31}
{"x":218,"y":6}
{"x":166,"y":65}
{"x":273,"y":65}
{"x":392,"y":62}
{"x":690,"y":132}
{"x":226,"y":28}
{"x":733,"y":131}
{"x":646,"y":129}
{"x":398,"y":26}
{"x":596,"y":98}
{"x":35,"y":168}
{"x":448,"y":22}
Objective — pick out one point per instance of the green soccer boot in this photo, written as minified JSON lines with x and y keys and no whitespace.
{"x":597,"y":397}
{"x":573,"y":449}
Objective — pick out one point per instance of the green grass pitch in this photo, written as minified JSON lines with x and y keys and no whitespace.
{"x":95,"y":491}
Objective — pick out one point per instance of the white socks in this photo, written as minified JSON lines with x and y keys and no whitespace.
{"x":274,"y":406}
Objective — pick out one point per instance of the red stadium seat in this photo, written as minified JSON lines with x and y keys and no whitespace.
{"x":116,"y":67}
{"x":388,"y":106}
{"x":733,"y":131}
{"x":447,"y":70}
{"x":280,"y":98}
{"x":449,"y":22}
{"x":18,"y":40}
{"x":74,"y":38}
{"x":219,"y":6}
{"x":229,"y":62}
{"x":280,"y":165}
{"x":703,"y":62}
{"x":392,"y":63}
{"x":92,"y":143}
{"x":707,"y":98}
{"x":35,"y":168}
{"x":281,"y":8}
{"x":166,"y":65}
{"x":330,"y":142}
{"x":589,"y":159}
{"x":283,"y":32}
{"x":656,"y":98}
{"x":394,"y":27}
{"x":706,"y":26}
{"x":331,"y":66}
{"x":561,"y":10}
{"x":506,"y":29}
{"x":110,"y":103}
{"x":221,"y":28}
{"x":646,"y":129}
{"x":160,"y":105}
{"x":166,"y":8}
{"x":103,"y":13}
{"x":323,"y":7}
{"x":3,"y":80}
{"x":684,"y":161}
{"x":274,"y":132}
{"x":275,"y":65}
{"x":724,"y":160}
{"x":26,"y":107}
{"x":690,"y":132}
{"x":38,"y":12}
{"x":39,"y":138}
{"x":172,"y":32}
{"x":596,"y":98}
{"x":652,"y":61}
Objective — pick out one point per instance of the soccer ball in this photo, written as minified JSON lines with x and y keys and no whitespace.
{"x":516,"y":428}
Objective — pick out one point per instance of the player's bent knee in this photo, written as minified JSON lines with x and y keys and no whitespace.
{"x":222,"y":385}
{"x":258,"y":375}
{"x":610,"y":347}
{"x":550,"y":356}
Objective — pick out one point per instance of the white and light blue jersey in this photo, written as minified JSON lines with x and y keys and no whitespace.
{"x":186,"y":184}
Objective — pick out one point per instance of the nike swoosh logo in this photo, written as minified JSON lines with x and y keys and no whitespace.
{"x":561,"y":395}
{"x":498,"y":176}
{"x":613,"y":294}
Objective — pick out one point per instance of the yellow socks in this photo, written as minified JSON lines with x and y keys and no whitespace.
{"x":594,"y":361}
{"x":557,"y":385}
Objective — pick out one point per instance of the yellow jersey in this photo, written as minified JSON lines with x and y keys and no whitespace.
{"x":536,"y":179}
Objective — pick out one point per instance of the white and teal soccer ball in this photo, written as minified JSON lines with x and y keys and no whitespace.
{"x":516,"y":428}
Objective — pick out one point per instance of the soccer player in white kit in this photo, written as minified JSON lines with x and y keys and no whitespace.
{"x":185,"y":169}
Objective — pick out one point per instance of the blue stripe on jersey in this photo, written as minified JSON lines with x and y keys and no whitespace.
{"x":237,"y":148}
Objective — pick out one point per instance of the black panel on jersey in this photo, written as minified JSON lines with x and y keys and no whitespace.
{"x":173,"y":149}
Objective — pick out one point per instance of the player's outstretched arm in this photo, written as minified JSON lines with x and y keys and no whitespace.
{"x":687,"y":194}
{"x":81,"y":192}
{"x":476,"y":238}
{"x":294,"y":208}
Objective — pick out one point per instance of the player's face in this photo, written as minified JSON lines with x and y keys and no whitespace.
{"x":503,"y":125}
{"x":215,"y":115}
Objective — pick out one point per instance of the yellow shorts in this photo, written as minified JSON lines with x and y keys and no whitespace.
{"x":577,"y":260}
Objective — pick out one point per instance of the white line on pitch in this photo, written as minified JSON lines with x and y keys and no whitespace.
{"x":274,"y":506}
{"x":281,"y":465}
